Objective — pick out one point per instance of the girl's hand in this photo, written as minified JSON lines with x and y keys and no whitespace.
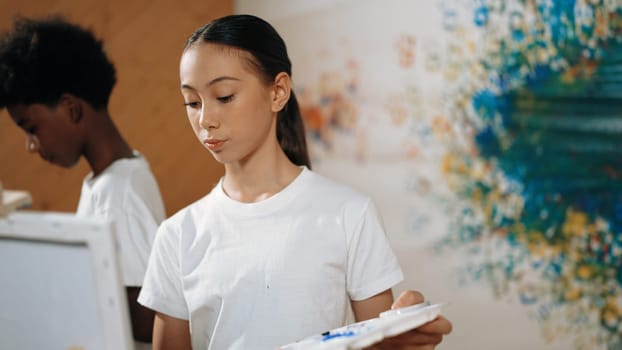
{"x":425,"y":337}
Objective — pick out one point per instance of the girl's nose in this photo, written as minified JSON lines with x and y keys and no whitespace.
{"x":208,"y":120}
{"x":32,"y":143}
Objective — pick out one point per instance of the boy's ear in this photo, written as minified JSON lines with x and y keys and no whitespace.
{"x":73,"y":106}
{"x":281,"y":92}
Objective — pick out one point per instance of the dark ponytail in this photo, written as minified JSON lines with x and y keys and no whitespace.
{"x":269,"y":55}
{"x":290,"y":132}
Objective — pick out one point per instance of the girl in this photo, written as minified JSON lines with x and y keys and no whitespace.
{"x":275,"y":252}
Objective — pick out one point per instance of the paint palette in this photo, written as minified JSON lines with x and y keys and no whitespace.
{"x":363,"y":334}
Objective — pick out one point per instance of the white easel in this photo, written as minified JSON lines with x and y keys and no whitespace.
{"x":61,"y":281}
{"x":12,"y":200}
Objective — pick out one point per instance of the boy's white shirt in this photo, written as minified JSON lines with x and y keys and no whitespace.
{"x":260,"y":275}
{"x":126,"y":193}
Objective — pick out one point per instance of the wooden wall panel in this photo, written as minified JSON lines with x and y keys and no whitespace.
{"x":144,"y":39}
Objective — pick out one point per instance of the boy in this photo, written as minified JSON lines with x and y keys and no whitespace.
{"x":56,"y":81}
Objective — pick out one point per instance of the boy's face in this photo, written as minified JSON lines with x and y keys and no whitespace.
{"x":51,"y":132}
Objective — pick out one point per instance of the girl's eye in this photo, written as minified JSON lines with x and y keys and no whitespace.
{"x":225,"y":99}
{"x":192,"y":104}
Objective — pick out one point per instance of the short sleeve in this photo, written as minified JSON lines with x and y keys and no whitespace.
{"x":135,"y":232}
{"x":372,"y":264}
{"x":162,"y":288}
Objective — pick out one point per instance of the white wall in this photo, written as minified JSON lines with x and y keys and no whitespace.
{"x":271,"y":10}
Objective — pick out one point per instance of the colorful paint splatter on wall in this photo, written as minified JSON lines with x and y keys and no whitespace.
{"x":539,"y":170}
{"x":519,"y":104}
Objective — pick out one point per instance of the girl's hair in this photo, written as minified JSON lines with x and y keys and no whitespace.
{"x":269,"y":57}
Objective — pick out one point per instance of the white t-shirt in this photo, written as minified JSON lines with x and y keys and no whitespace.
{"x":127,"y":194}
{"x":260,"y":275}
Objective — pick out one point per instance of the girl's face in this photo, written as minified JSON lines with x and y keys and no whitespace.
{"x":230,"y":108}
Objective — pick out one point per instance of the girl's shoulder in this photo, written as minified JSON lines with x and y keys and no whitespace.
{"x":188,"y":216}
{"x":324,"y":186}
{"x":335,"y":196}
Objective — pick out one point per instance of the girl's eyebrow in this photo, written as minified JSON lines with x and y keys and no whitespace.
{"x":212,"y":82}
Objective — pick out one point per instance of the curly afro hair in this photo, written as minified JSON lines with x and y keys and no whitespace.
{"x":42,"y":59}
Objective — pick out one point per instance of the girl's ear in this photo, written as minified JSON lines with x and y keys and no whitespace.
{"x":281,"y":91}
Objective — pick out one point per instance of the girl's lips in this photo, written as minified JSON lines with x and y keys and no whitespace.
{"x":214,"y":145}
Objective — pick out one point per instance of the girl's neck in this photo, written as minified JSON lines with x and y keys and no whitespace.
{"x":258,"y":179}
